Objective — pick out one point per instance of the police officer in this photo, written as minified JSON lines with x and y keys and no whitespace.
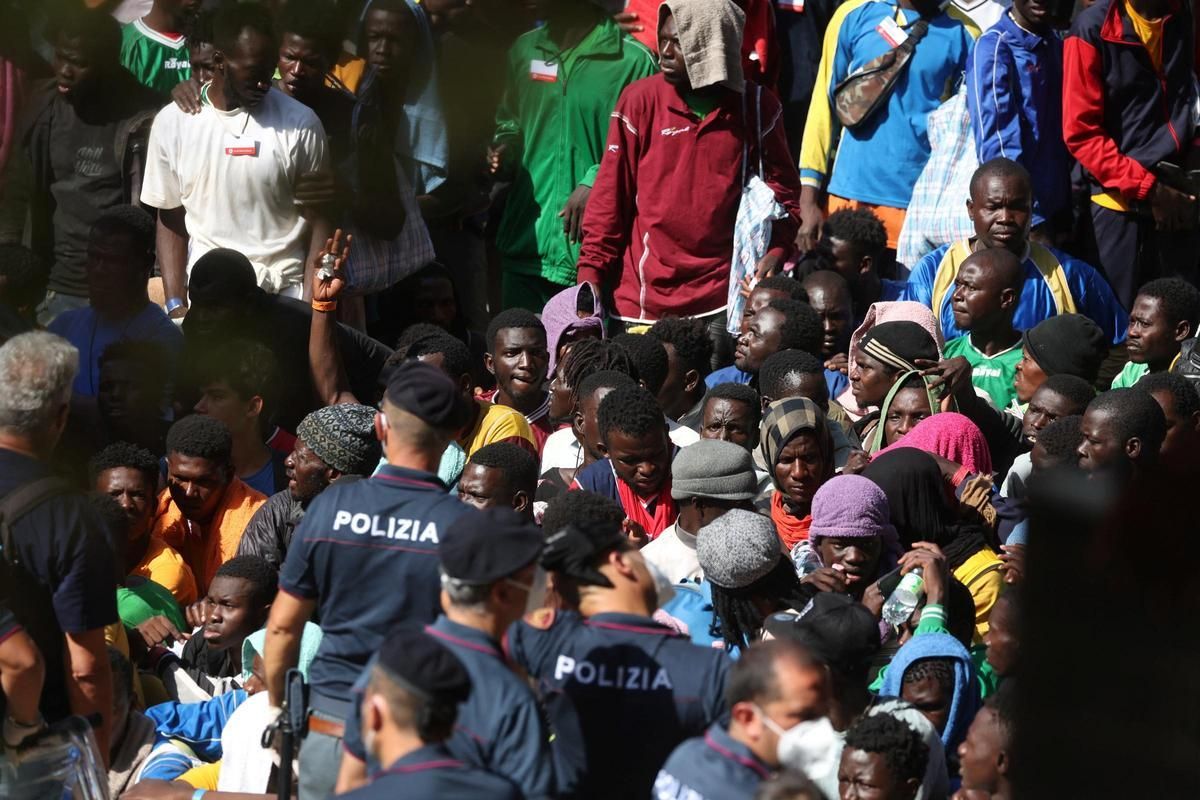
{"x":408,"y":712}
{"x":490,"y":578}
{"x":774,"y":687}
{"x":365,"y":556}
{"x":621,"y":690}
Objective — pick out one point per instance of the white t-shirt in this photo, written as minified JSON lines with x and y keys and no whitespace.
{"x":563,"y":451}
{"x":674,"y":552}
{"x":233,"y":172}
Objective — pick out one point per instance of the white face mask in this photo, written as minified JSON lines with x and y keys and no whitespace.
{"x":812,"y":747}
{"x":536,"y":591}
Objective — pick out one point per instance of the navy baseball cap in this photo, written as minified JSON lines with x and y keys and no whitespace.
{"x":481,"y":547}
{"x":428,"y":393}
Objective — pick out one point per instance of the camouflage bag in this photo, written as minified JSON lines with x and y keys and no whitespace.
{"x":862,"y":92}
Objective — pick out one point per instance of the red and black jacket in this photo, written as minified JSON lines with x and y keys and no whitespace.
{"x":1121,"y":116}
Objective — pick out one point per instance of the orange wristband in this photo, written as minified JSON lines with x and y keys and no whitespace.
{"x":324,"y":305}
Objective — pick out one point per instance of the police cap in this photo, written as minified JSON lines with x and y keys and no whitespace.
{"x":426,"y":392}
{"x":423,"y":666}
{"x":484,"y":546}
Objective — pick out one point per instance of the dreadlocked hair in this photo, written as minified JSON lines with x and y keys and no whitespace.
{"x":736,"y":618}
{"x":939,"y":669}
{"x":593,"y":355}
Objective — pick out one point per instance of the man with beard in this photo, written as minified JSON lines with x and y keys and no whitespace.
{"x":1001,"y":208}
{"x":244,"y":172}
{"x":331,"y":443}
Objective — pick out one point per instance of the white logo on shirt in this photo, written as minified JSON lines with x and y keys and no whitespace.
{"x":675,"y":131}
{"x":176,"y":63}
{"x":609,"y":676}
{"x":668,"y":787}
{"x":408,"y":530}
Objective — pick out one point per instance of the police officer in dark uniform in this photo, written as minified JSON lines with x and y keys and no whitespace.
{"x":622,"y":691}
{"x":774,"y":688}
{"x":490,"y":578}
{"x":408,"y":712}
{"x":366,"y":556}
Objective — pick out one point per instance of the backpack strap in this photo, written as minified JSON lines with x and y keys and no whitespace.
{"x":20,"y":502}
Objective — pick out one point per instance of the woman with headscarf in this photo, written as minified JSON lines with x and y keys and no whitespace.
{"x":798,"y":450}
{"x":909,"y":402}
{"x":951,"y":436}
{"x":922,"y":511}
{"x":574,"y":313}
{"x":851,"y":542}
{"x":879,"y":314}
{"x":887,"y":354}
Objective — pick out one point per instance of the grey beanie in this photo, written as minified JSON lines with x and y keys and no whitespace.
{"x":712,"y":468}
{"x":738,"y":548}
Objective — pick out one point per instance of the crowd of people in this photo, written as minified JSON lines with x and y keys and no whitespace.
{"x":579,"y":400}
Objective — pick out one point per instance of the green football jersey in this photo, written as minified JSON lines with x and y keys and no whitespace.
{"x":158,"y":60}
{"x":992,"y":376}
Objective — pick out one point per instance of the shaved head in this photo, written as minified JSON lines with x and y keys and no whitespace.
{"x":1000,"y":266}
{"x":1003,"y":168}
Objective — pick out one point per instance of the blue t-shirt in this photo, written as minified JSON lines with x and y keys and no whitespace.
{"x":730,"y":374}
{"x":367,"y":552}
{"x":264,"y":479}
{"x":621,"y":692}
{"x":711,"y":767}
{"x":91,"y":335}
{"x":66,"y":578}
{"x":431,"y":771}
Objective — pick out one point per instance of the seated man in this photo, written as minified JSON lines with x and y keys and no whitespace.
{"x":120,"y":257}
{"x":781,"y":325}
{"x":129,"y":475}
{"x":689,"y":356}
{"x":205,"y":507}
{"x":1164,"y":314}
{"x":708,"y":478}
{"x":132,"y":400}
{"x":731,"y":412}
{"x":488,"y":422}
{"x":500,"y":475}
{"x":1123,"y":430}
{"x":330,"y":442}
{"x":1000,"y":206}
{"x":239,"y":386}
{"x":773,"y":287}
{"x":636,"y":467}
{"x":854,"y":244}
{"x":517,"y":356}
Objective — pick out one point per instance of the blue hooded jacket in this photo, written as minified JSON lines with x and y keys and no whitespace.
{"x":966,"y":700}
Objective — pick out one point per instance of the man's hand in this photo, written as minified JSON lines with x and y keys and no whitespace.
{"x":186,"y":95}
{"x":327,"y":288}
{"x":934,"y":569}
{"x":315,"y":189}
{"x":856,"y":462}
{"x":160,"y":630}
{"x":1173,"y":210}
{"x":767,"y":266}
{"x":197,"y":613}
{"x":628,"y":22}
{"x":572,"y":213}
{"x":495,"y":159}
{"x":1013,"y":556}
{"x":636,"y":533}
{"x":826,"y":579}
{"x":952,"y":373}
{"x":839,"y":362}
{"x":811,"y":218}
{"x":873,"y":599}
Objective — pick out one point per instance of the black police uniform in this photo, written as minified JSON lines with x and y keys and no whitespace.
{"x":431,"y":772}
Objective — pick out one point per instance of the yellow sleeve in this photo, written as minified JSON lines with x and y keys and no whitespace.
{"x":821,"y":128}
{"x":202,"y":777}
{"x":982,"y":576}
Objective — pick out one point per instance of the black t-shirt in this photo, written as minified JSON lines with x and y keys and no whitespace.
{"x":64,"y":579}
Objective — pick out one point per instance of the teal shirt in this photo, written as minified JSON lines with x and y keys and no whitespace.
{"x":554,"y":118}
{"x":1129,"y":375}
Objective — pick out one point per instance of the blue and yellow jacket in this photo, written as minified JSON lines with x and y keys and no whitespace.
{"x":1055,"y":283}
{"x":880,"y":160}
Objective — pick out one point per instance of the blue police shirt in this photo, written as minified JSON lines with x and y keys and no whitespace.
{"x":621,"y":692}
{"x":367,"y":552}
{"x":499,"y":727}
{"x":711,"y":767}
{"x":431,"y":772}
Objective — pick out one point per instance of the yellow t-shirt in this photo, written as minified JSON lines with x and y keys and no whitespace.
{"x":983,"y":578}
{"x":203,"y":777}
{"x":165,"y":566}
{"x":497,"y":423}
{"x":1150,"y":31}
{"x":349,"y":71}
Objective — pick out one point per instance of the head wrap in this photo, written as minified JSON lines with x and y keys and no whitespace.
{"x":899,"y":345}
{"x":256,"y":643}
{"x":343,"y":436}
{"x":560,"y":316}
{"x":712,"y":468}
{"x":877,"y":439}
{"x":784,"y":420}
{"x":852,"y":507}
{"x":966,"y":699}
{"x":737,"y":548}
{"x":877,"y":314}
{"x":951,"y":436}
{"x":710,"y":36}
{"x":1069,"y":344}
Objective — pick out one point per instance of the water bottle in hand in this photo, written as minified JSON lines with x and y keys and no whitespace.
{"x":903,"y":602}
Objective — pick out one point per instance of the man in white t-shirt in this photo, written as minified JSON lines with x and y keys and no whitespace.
{"x":235,"y":174}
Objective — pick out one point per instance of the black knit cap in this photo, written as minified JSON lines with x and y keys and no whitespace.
{"x":899,"y":344}
{"x":428,"y":393}
{"x":1067,"y":344}
{"x":481,"y":547}
{"x":423,"y":666}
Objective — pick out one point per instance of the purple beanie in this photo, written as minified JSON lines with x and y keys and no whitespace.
{"x":850,"y":506}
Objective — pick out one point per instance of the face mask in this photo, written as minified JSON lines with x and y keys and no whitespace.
{"x":812,"y":747}
{"x":535,"y":591}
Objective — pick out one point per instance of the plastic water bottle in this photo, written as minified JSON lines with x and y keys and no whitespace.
{"x":903,"y":602}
